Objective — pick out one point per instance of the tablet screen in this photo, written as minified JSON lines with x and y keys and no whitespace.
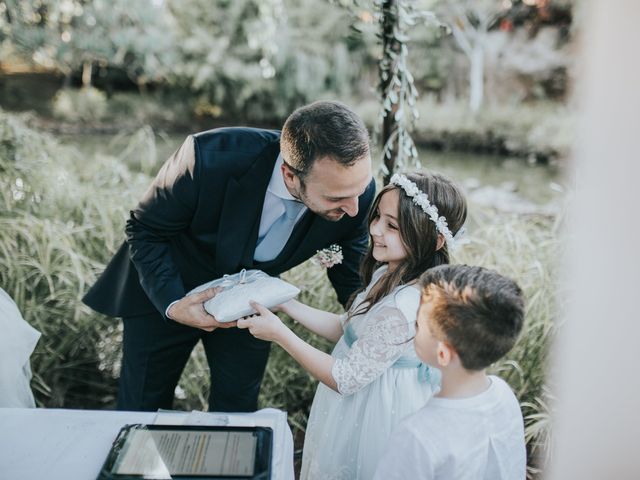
{"x":162,"y":453}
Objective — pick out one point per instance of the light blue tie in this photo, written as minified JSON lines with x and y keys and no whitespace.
{"x":276,"y":237}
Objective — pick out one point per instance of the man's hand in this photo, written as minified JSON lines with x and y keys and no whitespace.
{"x":265,"y":325}
{"x":190,"y":311}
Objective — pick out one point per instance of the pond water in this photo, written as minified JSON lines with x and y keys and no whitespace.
{"x":502,"y":182}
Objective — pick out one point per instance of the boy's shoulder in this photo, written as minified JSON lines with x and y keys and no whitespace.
{"x":499,"y":400}
{"x":443,"y":423}
{"x":504,"y":394}
{"x":444,"y":432}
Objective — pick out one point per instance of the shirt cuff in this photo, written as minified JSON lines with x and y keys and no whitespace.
{"x":166,"y":312}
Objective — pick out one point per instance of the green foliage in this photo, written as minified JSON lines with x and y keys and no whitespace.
{"x":131,"y":110}
{"x":86,"y":104}
{"x":398,"y":93}
{"x":73,"y":34}
{"x":60,"y":219}
{"x":259,"y":60}
{"x":253,"y":61}
{"x":542,"y":129}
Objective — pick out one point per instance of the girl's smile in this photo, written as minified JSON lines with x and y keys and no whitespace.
{"x":385,"y":235}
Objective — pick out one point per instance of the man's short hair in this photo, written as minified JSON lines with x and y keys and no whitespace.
{"x":477,"y":311}
{"x":323,"y":129}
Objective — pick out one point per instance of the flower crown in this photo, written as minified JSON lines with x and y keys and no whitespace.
{"x":422,"y":200}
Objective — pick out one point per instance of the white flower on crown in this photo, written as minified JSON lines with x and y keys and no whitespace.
{"x":421,"y":199}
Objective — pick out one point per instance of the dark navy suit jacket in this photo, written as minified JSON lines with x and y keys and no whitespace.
{"x":200,"y":220}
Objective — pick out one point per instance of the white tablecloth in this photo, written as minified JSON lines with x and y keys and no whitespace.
{"x":61,"y":444}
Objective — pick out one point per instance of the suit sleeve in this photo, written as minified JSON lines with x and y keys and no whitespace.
{"x":345,"y":277}
{"x":165,"y":210}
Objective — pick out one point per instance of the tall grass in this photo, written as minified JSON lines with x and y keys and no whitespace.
{"x":527,"y":249}
{"x":62,"y":216}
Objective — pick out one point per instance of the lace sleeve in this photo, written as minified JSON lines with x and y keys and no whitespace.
{"x":376,"y":349}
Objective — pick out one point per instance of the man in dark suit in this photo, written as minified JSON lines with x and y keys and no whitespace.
{"x":229,"y":199}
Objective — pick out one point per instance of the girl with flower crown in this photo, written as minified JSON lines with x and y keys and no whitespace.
{"x":372,"y":378}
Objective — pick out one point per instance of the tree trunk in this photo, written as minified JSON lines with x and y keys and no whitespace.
{"x":87,"y":68}
{"x":476,"y":77}
{"x":389,"y":44}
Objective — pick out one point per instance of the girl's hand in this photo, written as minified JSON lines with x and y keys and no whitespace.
{"x":265,"y":325}
{"x":283,"y":307}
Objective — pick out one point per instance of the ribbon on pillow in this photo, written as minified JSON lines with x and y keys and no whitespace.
{"x":239,"y":288}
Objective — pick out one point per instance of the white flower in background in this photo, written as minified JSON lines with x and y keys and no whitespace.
{"x":328,"y":257}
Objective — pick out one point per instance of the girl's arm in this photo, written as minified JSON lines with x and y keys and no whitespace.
{"x":267,"y":326}
{"x":322,"y":323}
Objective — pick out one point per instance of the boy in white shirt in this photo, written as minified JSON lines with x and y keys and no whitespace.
{"x":469,"y":317}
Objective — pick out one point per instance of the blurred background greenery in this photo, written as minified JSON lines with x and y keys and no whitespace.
{"x":95,"y":94}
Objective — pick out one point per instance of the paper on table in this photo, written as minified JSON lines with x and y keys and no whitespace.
{"x":168,"y":417}
{"x":159,"y":454}
{"x":267,"y":417}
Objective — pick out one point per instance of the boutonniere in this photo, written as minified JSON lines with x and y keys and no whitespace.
{"x":328,"y":257}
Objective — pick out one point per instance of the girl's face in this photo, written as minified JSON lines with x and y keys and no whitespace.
{"x":385,"y":233}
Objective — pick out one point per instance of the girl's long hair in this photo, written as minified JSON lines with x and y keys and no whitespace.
{"x":418,"y":234}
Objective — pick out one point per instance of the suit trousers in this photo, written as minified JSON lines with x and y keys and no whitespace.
{"x":155,"y":352}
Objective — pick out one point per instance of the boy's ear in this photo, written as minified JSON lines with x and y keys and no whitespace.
{"x":445,"y":353}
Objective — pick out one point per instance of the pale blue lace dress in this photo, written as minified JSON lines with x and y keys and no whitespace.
{"x":380,"y":380}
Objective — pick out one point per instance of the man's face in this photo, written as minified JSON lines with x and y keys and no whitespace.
{"x":425,"y":343}
{"x":331,"y":190}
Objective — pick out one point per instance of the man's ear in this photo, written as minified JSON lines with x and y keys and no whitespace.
{"x":291,"y":180}
{"x":445,"y":353}
{"x":440,"y":242}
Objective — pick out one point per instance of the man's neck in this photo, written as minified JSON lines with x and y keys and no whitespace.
{"x":461,"y":383}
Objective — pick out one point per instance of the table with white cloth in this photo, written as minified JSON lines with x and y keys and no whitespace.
{"x":38,"y":443}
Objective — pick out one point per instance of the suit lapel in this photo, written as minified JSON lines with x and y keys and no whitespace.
{"x":242,"y":210}
{"x":317,"y":234}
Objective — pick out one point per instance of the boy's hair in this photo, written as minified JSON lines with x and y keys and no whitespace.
{"x":323,"y":129}
{"x":418,"y":233}
{"x":477,"y":311}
